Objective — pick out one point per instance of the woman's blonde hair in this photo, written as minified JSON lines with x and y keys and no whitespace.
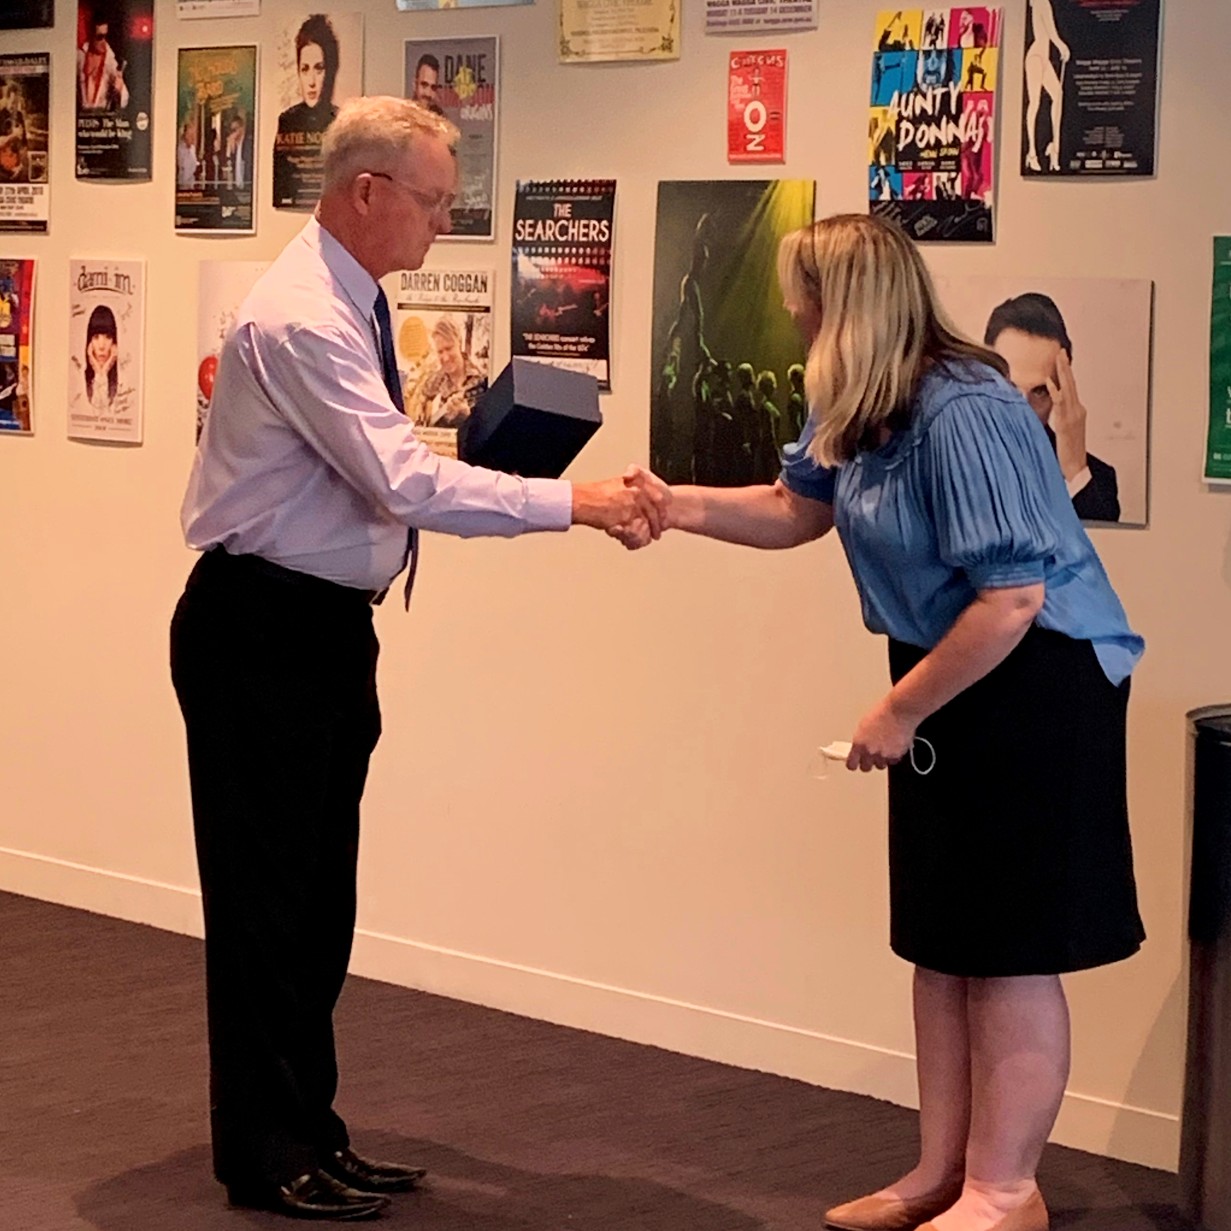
{"x":881,"y":328}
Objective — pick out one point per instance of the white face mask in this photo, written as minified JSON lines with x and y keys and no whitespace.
{"x":839,"y":750}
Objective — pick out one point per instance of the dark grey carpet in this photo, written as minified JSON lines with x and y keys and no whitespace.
{"x":525,"y":1126}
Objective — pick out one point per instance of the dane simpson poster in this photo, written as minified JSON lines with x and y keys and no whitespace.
{"x":932,"y":124}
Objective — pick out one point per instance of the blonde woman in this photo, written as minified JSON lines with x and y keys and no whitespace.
{"x":1010,"y":654}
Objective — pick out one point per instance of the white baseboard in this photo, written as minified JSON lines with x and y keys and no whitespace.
{"x":1136,"y":1134}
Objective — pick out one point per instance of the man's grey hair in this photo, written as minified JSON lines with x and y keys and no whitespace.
{"x":372,"y":134}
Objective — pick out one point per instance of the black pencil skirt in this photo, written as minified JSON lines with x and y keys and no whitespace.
{"x":1012,"y":856}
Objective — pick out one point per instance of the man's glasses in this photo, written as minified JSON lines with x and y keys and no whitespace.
{"x":434,"y":202}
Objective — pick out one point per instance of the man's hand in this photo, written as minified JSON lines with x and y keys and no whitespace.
{"x":631,"y":508}
{"x":1068,"y":419}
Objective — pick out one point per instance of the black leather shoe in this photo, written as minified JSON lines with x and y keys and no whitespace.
{"x":368,"y":1176}
{"x":314,"y":1195}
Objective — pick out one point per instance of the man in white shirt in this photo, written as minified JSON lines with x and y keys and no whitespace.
{"x":100,"y":78}
{"x":306,"y":479}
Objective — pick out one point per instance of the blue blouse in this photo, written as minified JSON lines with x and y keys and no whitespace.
{"x":967,"y":498}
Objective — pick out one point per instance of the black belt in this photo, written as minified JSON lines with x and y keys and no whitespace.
{"x":258,"y":566}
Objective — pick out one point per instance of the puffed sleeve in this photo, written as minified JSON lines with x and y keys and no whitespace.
{"x":993,"y":480}
{"x":802,"y":474}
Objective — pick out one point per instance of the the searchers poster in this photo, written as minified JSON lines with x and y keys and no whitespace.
{"x":1090,"y":87}
{"x":215,"y":140}
{"x":727,"y":385}
{"x":24,"y":94}
{"x":460,"y":79}
{"x":1079,"y":351}
{"x":27,"y":14}
{"x":756,"y":106}
{"x":222,"y":286}
{"x":115,"y":62}
{"x":319,"y":64}
{"x":619,"y":30}
{"x":105,"y":337}
{"x":442,"y":332}
{"x":419,"y":6}
{"x":562,"y":237}
{"x":931,"y":129}
{"x":217,"y":8}
{"x":738,"y":16}
{"x":16,"y":347}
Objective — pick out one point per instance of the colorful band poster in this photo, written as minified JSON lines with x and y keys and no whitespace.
{"x":115,"y":64}
{"x":27,"y":14}
{"x":422,"y":6}
{"x":442,"y":330}
{"x":728,"y":362}
{"x":319,"y":64}
{"x":931,"y":130}
{"x":756,"y":106}
{"x":16,"y":347}
{"x":739,"y":16}
{"x":562,"y":238}
{"x":460,"y":78}
{"x":222,"y":286}
{"x":1218,"y":442}
{"x":1090,"y":97}
{"x":24,"y":97}
{"x":1079,"y":351}
{"x":105,"y":331}
{"x":217,"y":8}
{"x":215,"y":125}
{"x":619,"y":30}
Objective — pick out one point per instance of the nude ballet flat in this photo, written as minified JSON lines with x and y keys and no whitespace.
{"x":877,"y":1213}
{"x":1029,"y":1217}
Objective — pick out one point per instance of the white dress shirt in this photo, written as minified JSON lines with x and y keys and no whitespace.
{"x":304,"y":459}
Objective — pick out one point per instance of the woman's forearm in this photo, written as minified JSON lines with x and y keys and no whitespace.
{"x":758,"y":516}
{"x":981,"y":638}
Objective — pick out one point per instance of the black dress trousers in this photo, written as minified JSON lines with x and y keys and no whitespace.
{"x":276,"y":677}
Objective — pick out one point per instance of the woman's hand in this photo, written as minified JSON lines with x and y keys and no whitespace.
{"x":882,"y":738}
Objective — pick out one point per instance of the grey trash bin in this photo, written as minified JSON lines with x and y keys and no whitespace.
{"x":1205,"y":1130}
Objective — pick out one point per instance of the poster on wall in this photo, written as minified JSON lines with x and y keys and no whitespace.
{"x":1218,"y":439}
{"x":419,"y":6}
{"x":24,"y":96}
{"x":619,"y":30}
{"x":217,"y":8}
{"x":756,"y":106}
{"x":16,"y":347}
{"x":460,"y":79}
{"x":562,"y":237}
{"x":106,"y":329}
{"x":215,"y":124}
{"x":1090,"y":88}
{"x":727,"y":389}
{"x":115,"y":62}
{"x":222,"y":286}
{"x":1079,"y":350}
{"x":318,"y":63}
{"x":738,"y":16}
{"x":27,"y":14}
{"x":931,"y":130}
{"x":442,"y":331}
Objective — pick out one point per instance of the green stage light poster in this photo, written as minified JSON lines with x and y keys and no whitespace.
{"x":727,"y":386}
{"x":1218,"y":444}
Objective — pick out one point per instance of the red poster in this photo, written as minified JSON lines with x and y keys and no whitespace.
{"x":756,"y":107}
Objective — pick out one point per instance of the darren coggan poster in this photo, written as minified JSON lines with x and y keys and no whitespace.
{"x":24,"y":97}
{"x":105,"y":333}
{"x":931,"y":129}
{"x":562,"y":237}
{"x":1090,"y":87}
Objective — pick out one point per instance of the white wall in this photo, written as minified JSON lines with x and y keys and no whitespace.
{"x":591,"y":801}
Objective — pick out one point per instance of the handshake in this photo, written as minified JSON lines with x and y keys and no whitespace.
{"x":634,"y":509}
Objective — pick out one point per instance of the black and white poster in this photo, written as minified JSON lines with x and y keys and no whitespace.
{"x":1090,"y":97}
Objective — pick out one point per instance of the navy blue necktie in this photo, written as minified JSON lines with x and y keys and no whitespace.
{"x":393,"y":382}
